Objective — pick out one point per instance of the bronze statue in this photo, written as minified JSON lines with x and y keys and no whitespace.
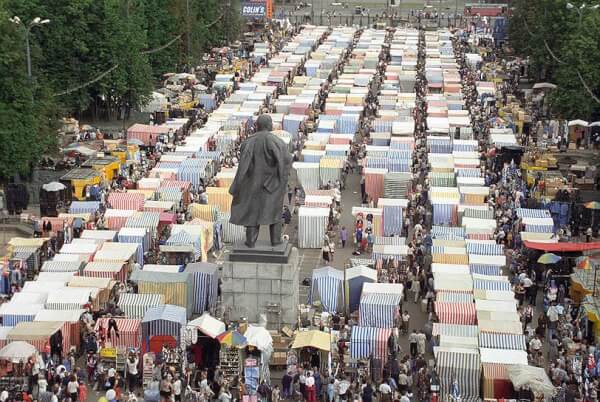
{"x":260,"y":183}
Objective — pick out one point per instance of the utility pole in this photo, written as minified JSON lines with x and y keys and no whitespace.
{"x":189,"y":30}
{"x":37,"y":21}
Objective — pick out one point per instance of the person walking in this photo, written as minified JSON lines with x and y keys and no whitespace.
{"x":343,"y":236}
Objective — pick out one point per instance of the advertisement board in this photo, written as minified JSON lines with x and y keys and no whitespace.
{"x":257,"y":8}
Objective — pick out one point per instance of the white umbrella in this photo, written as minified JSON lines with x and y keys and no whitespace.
{"x":532,"y":378}
{"x":544,"y":85}
{"x":578,"y":123}
{"x":594,"y":124}
{"x":17,"y":351}
{"x":54,"y":186}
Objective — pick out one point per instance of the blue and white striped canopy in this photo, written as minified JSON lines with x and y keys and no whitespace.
{"x":491,"y":285}
{"x":368,"y":341}
{"x":484,"y":248}
{"x":492,"y":270}
{"x":379,"y":309}
{"x":83,"y":207}
{"x":533,"y":213}
{"x":448,"y":233}
{"x":540,"y":228}
{"x":495,"y":340}
{"x":329,"y":282}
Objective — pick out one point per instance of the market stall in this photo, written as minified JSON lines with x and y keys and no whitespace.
{"x":458,"y":368}
{"x":206,"y":283}
{"x":162,"y":325}
{"x":328,"y":284}
{"x":71,"y":328}
{"x":135,"y":305}
{"x":379,"y":304}
{"x":129,"y":331}
{"x":356,"y":277}
{"x":176,"y":288}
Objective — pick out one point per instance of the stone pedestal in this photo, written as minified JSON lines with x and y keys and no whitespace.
{"x":253,"y":280}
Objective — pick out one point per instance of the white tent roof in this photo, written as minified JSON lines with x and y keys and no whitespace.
{"x":59,"y":315}
{"x":503,"y":356}
{"x":496,"y":305}
{"x":390,"y":288}
{"x":13,"y":308}
{"x":208,"y":325}
{"x":450,"y":269}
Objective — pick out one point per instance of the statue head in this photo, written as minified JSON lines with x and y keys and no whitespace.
{"x":264,"y":123}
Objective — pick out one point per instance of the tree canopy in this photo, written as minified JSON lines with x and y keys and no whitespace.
{"x":99,"y":57}
{"x":562,"y":45}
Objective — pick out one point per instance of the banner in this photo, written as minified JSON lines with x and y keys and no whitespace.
{"x":254,"y":8}
{"x":257,"y":8}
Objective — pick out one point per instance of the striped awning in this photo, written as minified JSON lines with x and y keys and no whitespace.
{"x":492,"y":270}
{"x":491,"y":285}
{"x":61,"y":266}
{"x":368,"y":341}
{"x":466,"y":331}
{"x":135,"y":305}
{"x":206,"y":285}
{"x":389,"y":240}
{"x":127,"y":201}
{"x":328,"y":282}
{"x":130,"y":333}
{"x":533,"y":213}
{"x":379,"y":309}
{"x":462,"y":368}
{"x":540,"y":228}
{"x":163,"y":320}
{"x":446,"y":232}
{"x":148,"y":220}
{"x":474,"y":247}
{"x":495,"y":340}
{"x":456,"y":313}
{"x":454,"y":297}
{"x":82,"y":207}
{"x":479,"y":213}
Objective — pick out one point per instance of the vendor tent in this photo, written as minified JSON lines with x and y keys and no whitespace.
{"x":38,"y":333}
{"x":502,"y":341}
{"x":456,"y":313}
{"x":312,"y":339}
{"x":328,"y":282}
{"x":312,"y":224}
{"x":205,"y":277}
{"x":70,"y":298}
{"x":208,"y":325}
{"x":177,"y":288}
{"x":369,"y":341}
{"x":379,"y":304}
{"x":12,"y":313}
{"x":71,"y":329}
{"x":162,"y":325}
{"x":129,"y":332}
{"x":460,"y":369}
{"x":135,"y":305}
{"x":355,"y":278}
{"x":113,"y":270}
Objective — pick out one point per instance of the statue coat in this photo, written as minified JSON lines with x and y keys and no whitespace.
{"x":260,"y":182}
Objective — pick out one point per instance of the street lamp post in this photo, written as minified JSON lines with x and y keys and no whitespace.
{"x":581,"y":8}
{"x":37,"y":21}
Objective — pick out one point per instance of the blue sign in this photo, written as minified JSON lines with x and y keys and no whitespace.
{"x":254,"y":8}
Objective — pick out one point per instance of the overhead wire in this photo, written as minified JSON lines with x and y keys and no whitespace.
{"x":115,"y":66}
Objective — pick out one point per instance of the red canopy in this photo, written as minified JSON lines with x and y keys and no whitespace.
{"x":564,"y":247}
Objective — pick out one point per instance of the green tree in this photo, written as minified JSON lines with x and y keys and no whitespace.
{"x":562,"y":48}
{"x":28,"y":115}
